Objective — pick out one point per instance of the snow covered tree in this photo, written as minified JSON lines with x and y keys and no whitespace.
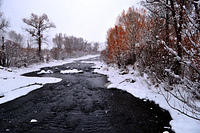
{"x":67,"y":44}
{"x":129,"y":32}
{"x":117,"y":46}
{"x":2,"y":53}
{"x":38,"y":25}
{"x":180,"y":37}
{"x":13,"y":52}
{"x":3,"y":23}
{"x":3,"y":26}
{"x":95,"y":46}
{"x":58,"y":41}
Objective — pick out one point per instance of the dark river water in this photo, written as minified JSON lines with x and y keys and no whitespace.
{"x":80,"y":103}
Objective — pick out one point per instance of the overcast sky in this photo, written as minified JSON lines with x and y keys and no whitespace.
{"x":89,"y":19}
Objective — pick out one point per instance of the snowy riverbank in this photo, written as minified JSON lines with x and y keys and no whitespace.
{"x":141,"y":87}
{"x":13,"y":85}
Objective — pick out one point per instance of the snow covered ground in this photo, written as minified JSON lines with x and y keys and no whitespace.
{"x":13,"y":85}
{"x":71,"y":71}
{"x":141,"y":87}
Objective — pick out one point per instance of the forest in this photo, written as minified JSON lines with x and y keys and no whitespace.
{"x":162,"y":40}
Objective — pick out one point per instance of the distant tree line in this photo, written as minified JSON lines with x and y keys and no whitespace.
{"x":17,"y":51}
{"x":70,"y":46}
{"x":162,"y":40}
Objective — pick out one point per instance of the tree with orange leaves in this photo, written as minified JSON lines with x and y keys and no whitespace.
{"x":117,"y":46}
{"x":135,"y":25}
{"x":128,"y":32}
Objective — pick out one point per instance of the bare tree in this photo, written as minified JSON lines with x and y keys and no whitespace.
{"x":15,"y":37}
{"x":58,"y":40}
{"x":70,"y":46}
{"x":38,"y":25}
{"x":13,"y":53}
{"x":95,"y":46}
{"x":3,"y":23}
{"x":2,"y":53}
{"x":67,"y":44}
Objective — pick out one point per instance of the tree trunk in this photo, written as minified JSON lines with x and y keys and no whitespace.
{"x":167,"y":23}
{"x":39,"y":46}
{"x":178,"y":29}
{"x":3,"y":53}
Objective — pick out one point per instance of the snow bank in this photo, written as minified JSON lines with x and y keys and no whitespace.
{"x":71,"y":71}
{"x":45,"y":72}
{"x":12,"y":85}
{"x":143,"y":89}
{"x":33,"y":121}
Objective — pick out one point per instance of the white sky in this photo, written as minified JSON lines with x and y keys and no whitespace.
{"x":89,"y":19}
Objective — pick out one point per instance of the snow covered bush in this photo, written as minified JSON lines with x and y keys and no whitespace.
{"x":179,"y":40}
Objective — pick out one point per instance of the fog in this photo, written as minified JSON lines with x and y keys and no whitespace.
{"x":89,"y":19}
